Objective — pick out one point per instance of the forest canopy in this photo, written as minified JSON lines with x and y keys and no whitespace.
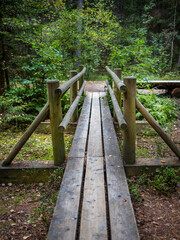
{"x":42,"y":40}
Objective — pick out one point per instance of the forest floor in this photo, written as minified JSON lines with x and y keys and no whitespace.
{"x":25,"y":213}
{"x":26,"y":209}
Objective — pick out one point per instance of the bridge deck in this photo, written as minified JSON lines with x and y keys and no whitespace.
{"x":94,"y":200}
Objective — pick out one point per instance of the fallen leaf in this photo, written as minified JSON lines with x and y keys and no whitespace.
{"x":26,"y":237}
{"x":124,"y":200}
{"x":141,"y":215}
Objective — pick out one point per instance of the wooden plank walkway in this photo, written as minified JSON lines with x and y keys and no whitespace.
{"x":94,"y":201}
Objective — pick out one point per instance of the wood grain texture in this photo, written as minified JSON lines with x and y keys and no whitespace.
{"x":78,"y":147}
{"x":95,"y":132}
{"x":65,"y":218}
{"x":111,"y":146}
{"x":55,"y":119}
{"x":122,"y":219}
{"x":93,"y":219}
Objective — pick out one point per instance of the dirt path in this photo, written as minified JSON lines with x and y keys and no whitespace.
{"x":95,"y":86}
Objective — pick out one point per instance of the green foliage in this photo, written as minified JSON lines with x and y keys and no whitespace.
{"x":164,"y":180}
{"x":136,"y":57}
{"x":134,"y":190}
{"x":162,"y":109}
{"x":109,"y":102}
{"x":16,"y":108}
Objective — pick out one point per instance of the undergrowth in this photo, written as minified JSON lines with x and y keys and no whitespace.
{"x":164,"y":180}
{"x":163,"y":109}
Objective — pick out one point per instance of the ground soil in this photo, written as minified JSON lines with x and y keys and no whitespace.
{"x":92,"y":86}
{"x":158,"y":215}
{"x":18,"y":220}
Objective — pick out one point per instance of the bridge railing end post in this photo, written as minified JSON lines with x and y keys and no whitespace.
{"x":129,"y":107}
{"x":55,"y":119}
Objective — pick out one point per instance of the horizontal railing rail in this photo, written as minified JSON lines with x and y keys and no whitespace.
{"x":63,"y":125}
{"x":65,"y":86}
{"x":157,"y":128}
{"x":122,"y":123}
{"x":120,"y":85}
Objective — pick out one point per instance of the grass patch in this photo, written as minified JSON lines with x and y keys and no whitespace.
{"x":37,"y":148}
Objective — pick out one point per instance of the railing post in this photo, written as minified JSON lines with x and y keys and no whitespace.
{"x":73,"y":95}
{"x":81,"y":80}
{"x":55,"y":119}
{"x":129,"y":105}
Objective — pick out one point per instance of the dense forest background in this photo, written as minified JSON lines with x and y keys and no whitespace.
{"x":41,"y":40}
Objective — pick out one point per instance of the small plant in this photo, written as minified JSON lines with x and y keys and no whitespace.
{"x":163,"y":110}
{"x":165,"y":179}
{"x":134,"y":190}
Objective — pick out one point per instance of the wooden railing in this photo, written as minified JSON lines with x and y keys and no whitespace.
{"x":128,"y":88}
{"x":55,"y":93}
{"x":127,"y":121}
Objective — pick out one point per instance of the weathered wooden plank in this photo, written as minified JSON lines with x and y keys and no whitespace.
{"x":78,"y":147}
{"x":93,"y":219}
{"x":65,"y":218}
{"x":95,"y":135}
{"x":111,"y":147}
{"x":122,"y":219}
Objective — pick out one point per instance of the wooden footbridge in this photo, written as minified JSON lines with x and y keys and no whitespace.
{"x":94,"y":200}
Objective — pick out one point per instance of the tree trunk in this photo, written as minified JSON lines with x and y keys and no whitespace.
{"x":79,"y":26}
{"x":173,"y":36}
{"x":2,"y":78}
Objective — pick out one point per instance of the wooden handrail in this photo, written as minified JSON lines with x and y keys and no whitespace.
{"x":157,"y":128}
{"x":119,"y":116}
{"x":65,"y":86}
{"x":62,"y":127}
{"x":120,"y":85}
